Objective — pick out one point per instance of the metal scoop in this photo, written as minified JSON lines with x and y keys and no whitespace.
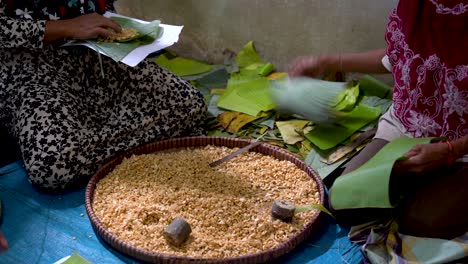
{"x":235,"y":154}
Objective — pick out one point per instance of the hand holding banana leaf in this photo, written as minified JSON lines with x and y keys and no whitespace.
{"x":128,"y":41}
{"x":132,"y":35}
{"x":90,"y":26}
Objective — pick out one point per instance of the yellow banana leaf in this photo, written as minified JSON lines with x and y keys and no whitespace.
{"x":277,"y":76}
{"x":288,"y":130}
{"x":234,"y":121}
{"x":218,"y":91}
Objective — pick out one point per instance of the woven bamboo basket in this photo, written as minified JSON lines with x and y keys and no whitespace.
{"x":155,"y":257}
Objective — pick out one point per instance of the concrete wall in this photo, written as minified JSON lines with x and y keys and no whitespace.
{"x":281,"y":29}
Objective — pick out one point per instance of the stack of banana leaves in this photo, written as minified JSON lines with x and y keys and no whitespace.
{"x":240,"y":105}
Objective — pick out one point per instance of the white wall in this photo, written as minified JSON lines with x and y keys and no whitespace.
{"x":281,"y":29}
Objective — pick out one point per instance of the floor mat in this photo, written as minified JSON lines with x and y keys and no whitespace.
{"x":44,"y":228}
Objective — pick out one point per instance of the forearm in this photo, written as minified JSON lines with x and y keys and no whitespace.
{"x":82,"y":27}
{"x":56,"y":31}
{"x":460,"y":147}
{"x":362,"y":62}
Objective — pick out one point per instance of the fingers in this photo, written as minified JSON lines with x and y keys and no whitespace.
{"x":3,"y":242}
{"x":300,"y":66}
{"x":411,"y":162}
{"x":419,"y":161}
{"x":93,"y":25}
{"x":413,"y":151}
{"x":422,"y":158}
{"x":109,"y":23}
{"x":310,"y":66}
{"x":407,"y":166}
{"x":104,"y":26}
{"x":294,"y":68}
{"x":102,"y":32}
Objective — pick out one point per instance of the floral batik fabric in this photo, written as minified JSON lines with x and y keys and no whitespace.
{"x":382,"y":243}
{"x":427,"y":47}
{"x":66,"y":117}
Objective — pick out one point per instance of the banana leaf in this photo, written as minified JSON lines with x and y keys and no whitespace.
{"x":314,"y":158}
{"x":311,"y":207}
{"x":248,"y":56}
{"x":234,"y":121}
{"x":375,"y":101}
{"x":346,"y":99}
{"x":76,"y":259}
{"x":183,"y":66}
{"x":277,"y":76}
{"x":310,"y":98}
{"x":289,"y":130}
{"x":247,"y":95}
{"x":368,"y":186}
{"x":250,"y":63}
{"x":371,"y":86}
{"x":248,"y":91}
{"x":327,"y":137}
{"x":147,"y":33}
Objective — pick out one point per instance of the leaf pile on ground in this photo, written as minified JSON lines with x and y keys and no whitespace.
{"x":240,"y":105}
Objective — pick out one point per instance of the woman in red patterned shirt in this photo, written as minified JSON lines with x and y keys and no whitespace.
{"x":427,"y":55}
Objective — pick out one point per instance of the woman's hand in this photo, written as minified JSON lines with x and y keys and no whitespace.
{"x":422,"y":158}
{"x":3,"y":242}
{"x":83,"y":27}
{"x":311,"y":66}
{"x":317,"y":66}
{"x":91,"y":26}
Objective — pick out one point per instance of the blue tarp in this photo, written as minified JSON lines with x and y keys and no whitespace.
{"x":43,"y":228}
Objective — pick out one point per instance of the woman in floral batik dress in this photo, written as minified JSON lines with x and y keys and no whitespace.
{"x":65,"y":116}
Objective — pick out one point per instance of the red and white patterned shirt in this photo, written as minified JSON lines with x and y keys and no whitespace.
{"x":428,"y":51}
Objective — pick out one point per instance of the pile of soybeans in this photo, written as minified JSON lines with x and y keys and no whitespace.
{"x":228,"y":207}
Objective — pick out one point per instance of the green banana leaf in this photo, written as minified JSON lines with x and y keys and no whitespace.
{"x":327,"y":137}
{"x":183,"y":66}
{"x":250,"y":63}
{"x":368,"y":186}
{"x":247,"y":95}
{"x":248,"y":90}
{"x":248,"y":56}
{"x":371,"y":86}
{"x":346,"y":99}
{"x":313,"y":159}
{"x":76,"y":259}
{"x":310,"y":98}
{"x":148,"y":33}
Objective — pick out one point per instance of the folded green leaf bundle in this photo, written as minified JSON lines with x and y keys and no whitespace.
{"x":147,"y":33}
{"x":346,"y":99}
{"x":310,"y":98}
